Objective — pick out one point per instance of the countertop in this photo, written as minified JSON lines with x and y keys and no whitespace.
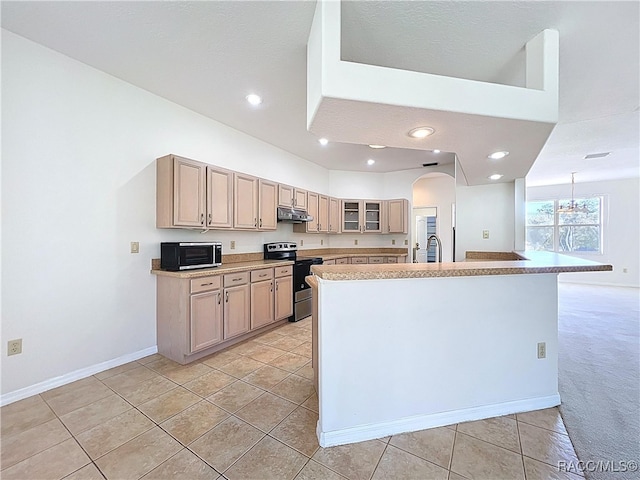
{"x":222,"y":269}
{"x":535,"y":262}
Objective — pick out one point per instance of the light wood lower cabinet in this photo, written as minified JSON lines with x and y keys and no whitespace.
{"x":196,"y":317}
{"x":283,"y":297}
{"x":237,"y":301}
{"x":206,"y":320}
{"x":261,"y":298}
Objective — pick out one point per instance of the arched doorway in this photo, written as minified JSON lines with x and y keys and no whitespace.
{"x":433,"y":212}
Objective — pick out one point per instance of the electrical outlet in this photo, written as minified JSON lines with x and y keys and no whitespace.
{"x":393,"y":242}
{"x":625,"y":270}
{"x":135,"y":247}
{"x":406,"y":242}
{"x":355,"y":242}
{"x":14,"y":347}
{"x":301,"y":243}
{"x":233,"y":245}
{"x":542,"y":350}
{"x":321,"y":242}
{"x":485,"y":234}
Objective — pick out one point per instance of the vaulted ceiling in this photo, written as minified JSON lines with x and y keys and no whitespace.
{"x":207,"y":56}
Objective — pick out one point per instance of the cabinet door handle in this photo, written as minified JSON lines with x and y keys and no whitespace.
{"x":255,"y":222}
{"x":276,"y":286}
{"x":205,"y":284}
{"x":210,"y":219}
{"x":263,"y":275}
{"x":271,"y":286}
{"x":202,"y":219}
{"x":389,"y":227}
{"x":235,"y":280}
{"x":226,"y":297}
{"x":260,"y":223}
{"x":219,"y":298}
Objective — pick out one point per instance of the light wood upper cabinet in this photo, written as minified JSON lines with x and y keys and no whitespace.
{"x":334,"y":215}
{"x":206,"y":319}
{"x":362,"y":216}
{"x":300,"y":198}
{"x":397,"y":216}
{"x":313,"y":202}
{"x":219,"y":198}
{"x":245,"y":202}
{"x":180,"y":192}
{"x":323,"y":213}
{"x":267,"y":205}
{"x":285,"y":195}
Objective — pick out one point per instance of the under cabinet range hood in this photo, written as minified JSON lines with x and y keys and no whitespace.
{"x":293,"y":215}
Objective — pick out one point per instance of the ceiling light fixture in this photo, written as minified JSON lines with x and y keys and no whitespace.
{"x":421,"y":132}
{"x":436,"y":151}
{"x":572,"y":206}
{"x":495,"y":176}
{"x":371,"y":161}
{"x":498,"y":155}
{"x":254,"y":99}
{"x":377,"y":146}
{"x":323,"y":141}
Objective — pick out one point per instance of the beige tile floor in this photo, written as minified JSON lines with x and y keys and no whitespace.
{"x":249,"y":413}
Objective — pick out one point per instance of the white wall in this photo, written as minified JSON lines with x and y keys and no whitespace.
{"x":621,"y":230}
{"x":78,"y":184}
{"x":485,"y":207}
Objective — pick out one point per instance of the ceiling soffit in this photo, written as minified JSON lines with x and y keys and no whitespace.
{"x":361,"y":104}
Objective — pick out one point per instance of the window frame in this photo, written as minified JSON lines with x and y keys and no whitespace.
{"x":557,"y":225}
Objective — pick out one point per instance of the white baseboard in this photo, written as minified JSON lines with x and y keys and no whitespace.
{"x":16,"y":395}
{"x":421,"y":422}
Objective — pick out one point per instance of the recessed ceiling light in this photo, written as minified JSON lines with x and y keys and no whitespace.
{"x":254,"y":99}
{"x":498,"y":155}
{"x":436,"y":151}
{"x":377,"y":146}
{"x":495,"y":176}
{"x":421,"y":132}
{"x":371,"y":161}
{"x":323,"y":141}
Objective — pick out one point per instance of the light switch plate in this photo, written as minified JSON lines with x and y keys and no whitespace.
{"x":135,"y":247}
{"x":485,"y":234}
{"x":232,"y":245}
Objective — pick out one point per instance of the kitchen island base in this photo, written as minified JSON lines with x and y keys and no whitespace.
{"x":400,"y":355}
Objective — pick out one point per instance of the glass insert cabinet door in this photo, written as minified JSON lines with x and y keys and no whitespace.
{"x":372,"y":216}
{"x":351,"y":217}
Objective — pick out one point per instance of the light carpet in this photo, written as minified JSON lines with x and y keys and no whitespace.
{"x":599,"y":376}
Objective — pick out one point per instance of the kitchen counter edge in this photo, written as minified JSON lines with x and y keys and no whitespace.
{"x":534,"y":262}
{"x":222,"y":269}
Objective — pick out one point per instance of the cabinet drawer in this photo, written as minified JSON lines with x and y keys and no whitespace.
{"x":358,"y":260}
{"x":205,"y":283}
{"x":262,"y":274}
{"x":392,"y":259}
{"x":342,"y":261}
{"x":284,"y":271}
{"x":231,"y":279}
{"x":376,"y":259}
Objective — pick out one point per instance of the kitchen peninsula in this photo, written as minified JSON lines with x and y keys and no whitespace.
{"x":405,"y":347}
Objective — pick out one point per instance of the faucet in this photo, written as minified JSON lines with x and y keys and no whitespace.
{"x":438,"y":242}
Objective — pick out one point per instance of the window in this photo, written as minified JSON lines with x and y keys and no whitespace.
{"x":579,"y":231}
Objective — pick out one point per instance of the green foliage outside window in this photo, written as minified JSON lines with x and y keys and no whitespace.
{"x":578,"y":231}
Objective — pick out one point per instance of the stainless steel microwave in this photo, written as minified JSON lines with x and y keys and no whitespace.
{"x":176,"y":256}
